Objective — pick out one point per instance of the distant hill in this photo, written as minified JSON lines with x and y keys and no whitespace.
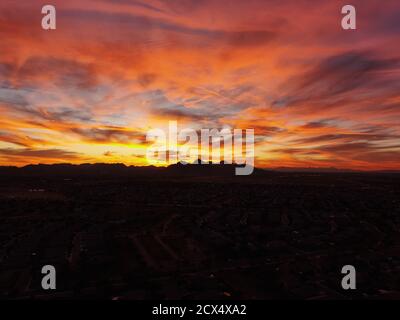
{"x":119,"y":169}
{"x":179,"y":169}
{"x":71,"y":169}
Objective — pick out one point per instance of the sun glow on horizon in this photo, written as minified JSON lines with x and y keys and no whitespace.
{"x":89,"y":91}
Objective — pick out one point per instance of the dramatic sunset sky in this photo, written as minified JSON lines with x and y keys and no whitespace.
{"x":316,"y":95}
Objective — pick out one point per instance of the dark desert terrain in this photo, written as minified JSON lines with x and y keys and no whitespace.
{"x":159,"y":233}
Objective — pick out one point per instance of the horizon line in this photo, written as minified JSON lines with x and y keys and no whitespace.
{"x":282,"y":168}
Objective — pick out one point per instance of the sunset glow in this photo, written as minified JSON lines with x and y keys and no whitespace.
{"x":87,"y":92}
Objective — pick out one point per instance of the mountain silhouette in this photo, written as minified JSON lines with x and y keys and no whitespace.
{"x":119,"y":169}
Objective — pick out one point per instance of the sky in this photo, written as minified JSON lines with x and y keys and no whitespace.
{"x":89,"y":91}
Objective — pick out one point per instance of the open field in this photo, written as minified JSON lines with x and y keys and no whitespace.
{"x":280,"y":235}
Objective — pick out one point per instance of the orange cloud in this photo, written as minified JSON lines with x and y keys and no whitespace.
{"x":315,"y":94}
